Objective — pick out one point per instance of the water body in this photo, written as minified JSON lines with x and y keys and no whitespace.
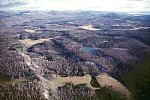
{"x":92,"y":51}
{"x":89,"y":49}
{"x":69,"y":54}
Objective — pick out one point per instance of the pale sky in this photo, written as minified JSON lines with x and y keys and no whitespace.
{"x":96,"y":5}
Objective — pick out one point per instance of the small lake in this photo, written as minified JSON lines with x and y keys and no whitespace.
{"x":89,"y":49}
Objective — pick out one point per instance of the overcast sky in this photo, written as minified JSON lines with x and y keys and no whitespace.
{"x":96,"y":5}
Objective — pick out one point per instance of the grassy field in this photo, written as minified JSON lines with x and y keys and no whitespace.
{"x":29,"y":42}
{"x":101,"y":93}
{"x":75,"y":80}
{"x":29,"y":30}
{"x":89,"y":27}
{"x":107,"y":81}
{"x":104,"y":86}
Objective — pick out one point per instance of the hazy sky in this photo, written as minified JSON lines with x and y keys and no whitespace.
{"x":96,"y":5}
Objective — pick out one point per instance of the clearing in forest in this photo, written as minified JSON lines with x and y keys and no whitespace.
{"x":106,"y":80}
{"x":89,"y":27}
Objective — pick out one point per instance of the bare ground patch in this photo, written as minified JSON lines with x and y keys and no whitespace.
{"x":30,"y":30}
{"x":89,"y":27}
{"x":76,"y":80}
{"x":106,"y":80}
{"x":30,"y":42}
